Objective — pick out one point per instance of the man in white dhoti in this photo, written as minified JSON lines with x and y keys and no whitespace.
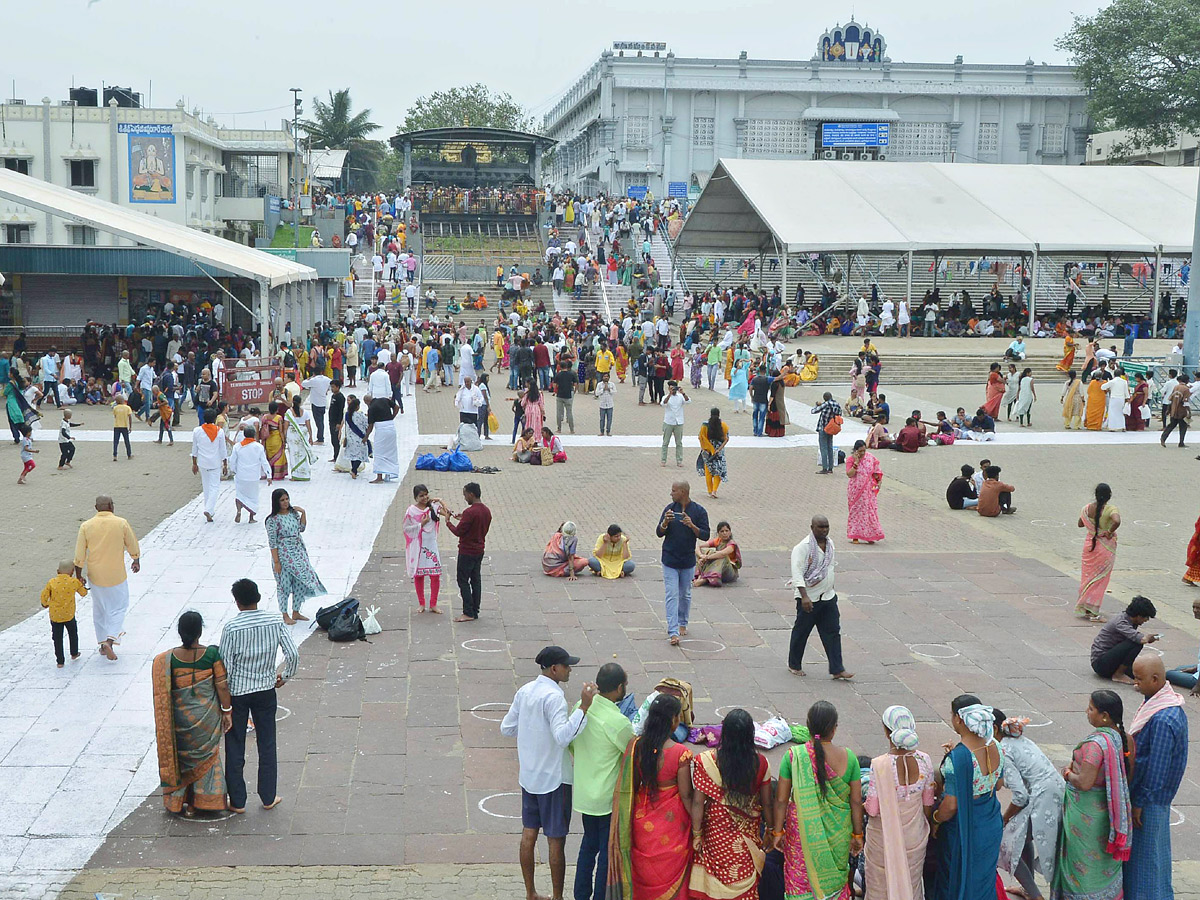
{"x":249,"y":466}
{"x":103,"y":541}
{"x":210,"y":459}
{"x":466,"y":364}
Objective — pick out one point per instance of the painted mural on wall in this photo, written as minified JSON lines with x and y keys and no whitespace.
{"x":151,"y":163}
{"x":851,"y":43}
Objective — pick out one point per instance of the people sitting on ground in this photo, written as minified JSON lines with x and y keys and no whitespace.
{"x":559,"y":559}
{"x":878,"y":438}
{"x":982,"y":427}
{"x":718,"y":559}
{"x":908,"y":439}
{"x":555,"y":445}
{"x":943,"y":431}
{"x":878,"y":410}
{"x":961,"y":492}
{"x":525,"y":446}
{"x":1016,"y":350}
{"x":611,"y":557}
{"x":995,"y":497}
{"x":1187,"y":677}
{"x":961,"y":424}
{"x":811,"y":367}
{"x":1119,"y":642}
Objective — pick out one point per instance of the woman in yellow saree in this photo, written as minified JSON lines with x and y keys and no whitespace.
{"x":1068,"y":359}
{"x":811,"y":367}
{"x":1072,"y":401}
{"x":192,"y":711}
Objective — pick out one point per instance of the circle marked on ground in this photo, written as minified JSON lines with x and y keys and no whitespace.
{"x":485,"y":707}
{"x":1033,"y":716}
{"x":721,"y":711}
{"x":867,"y":600}
{"x":483,"y":808}
{"x":281,"y":713}
{"x":717,"y":645}
{"x":1182,"y":818}
{"x":950,"y":655}
{"x":466,"y":645}
{"x":206,"y":818}
{"x":1047,"y":523}
{"x":1151,"y":523}
{"x":1046,"y":600}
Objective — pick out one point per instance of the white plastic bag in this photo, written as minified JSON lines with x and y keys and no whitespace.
{"x":772,"y":733}
{"x":370,"y":625}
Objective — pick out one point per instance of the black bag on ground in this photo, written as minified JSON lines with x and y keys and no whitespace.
{"x":347,"y":626}
{"x":327,"y":614}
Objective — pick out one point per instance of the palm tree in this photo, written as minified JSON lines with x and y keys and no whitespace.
{"x":332,"y":126}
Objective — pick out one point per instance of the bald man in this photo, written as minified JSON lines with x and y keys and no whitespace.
{"x":816,"y":601}
{"x":103,"y":541}
{"x":1160,"y":731}
{"x":680,"y":525}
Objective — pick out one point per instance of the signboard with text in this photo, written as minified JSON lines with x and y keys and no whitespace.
{"x":855,"y":134}
{"x":636,"y":192}
{"x":677,"y":189}
{"x":645,"y":46}
{"x":250,"y":385}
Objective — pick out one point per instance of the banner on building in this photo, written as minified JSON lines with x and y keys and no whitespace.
{"x":151,"y":163}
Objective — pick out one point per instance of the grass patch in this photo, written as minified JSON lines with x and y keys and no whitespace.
{"x":285,"y":237}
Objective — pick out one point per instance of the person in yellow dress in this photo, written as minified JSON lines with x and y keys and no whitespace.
{"x":611,"y":557}
{"x":1068,"y":359}
{"x":811,"y":366}
{"x":1093,"y":419}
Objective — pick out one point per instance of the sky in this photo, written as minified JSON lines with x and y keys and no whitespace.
{"x":237,"y":60}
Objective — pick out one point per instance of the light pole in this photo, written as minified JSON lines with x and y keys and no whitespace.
{"x":296,"y":165}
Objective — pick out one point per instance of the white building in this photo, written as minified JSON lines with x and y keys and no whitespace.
{"x":1104,"y":148}
{"x":641,"y":116}
{"x":163,"y":162}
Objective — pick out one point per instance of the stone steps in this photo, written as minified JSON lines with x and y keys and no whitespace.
{"x":932,"y":368}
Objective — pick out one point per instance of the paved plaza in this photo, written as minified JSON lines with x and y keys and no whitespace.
{"x":395,"y":778}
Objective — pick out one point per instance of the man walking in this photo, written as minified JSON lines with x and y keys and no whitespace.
{"x":249,"y":644}
{"x":760,"y":388}
{"x":539,"y":721}
{"x":1160,"y":731}
{"x":472,"y":529}
{"x":49,"y":364}
{"x":564,"y":395}
{"x":681,"y":524}
{"x":816,"y":601}
{"x":673,"y":421}
{"x":604,"y":393}
{"x":318,"y":398}
{"x":468,"y":400}
{"x":598,"y":751}
{"x":337,"y":412}
{"x":826,"y":411}
{"x":103,"y":541}
{"x":210,"y":460}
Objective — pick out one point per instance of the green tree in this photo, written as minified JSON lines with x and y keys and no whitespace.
{"x":333,"y":126}
{"x":1140,"y":60}
{"x":473,"y":104}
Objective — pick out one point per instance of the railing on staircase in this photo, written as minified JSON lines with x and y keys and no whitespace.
{"x":678,"y":279}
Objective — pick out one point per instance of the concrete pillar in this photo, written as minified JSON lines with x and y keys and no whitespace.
{"x":908,"y":291}
{"x":406,"y":171}
{"x":1033,"y":279}
{"x":263,"y":292}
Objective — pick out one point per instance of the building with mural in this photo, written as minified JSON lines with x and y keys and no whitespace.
{"x":643,"y":118}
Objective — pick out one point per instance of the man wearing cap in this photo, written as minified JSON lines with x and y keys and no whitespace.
{"x":538,"y":719}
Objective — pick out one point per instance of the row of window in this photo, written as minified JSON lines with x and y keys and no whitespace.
{"x":81,"y":235}
{"x":83,"y":175}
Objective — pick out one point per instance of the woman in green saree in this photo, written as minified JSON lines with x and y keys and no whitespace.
{"x":819,"y":802}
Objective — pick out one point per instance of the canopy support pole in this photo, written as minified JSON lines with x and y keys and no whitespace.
{"x":784,"y":297}
{"x":264,"y":319}
{"x":1157,"y":286}
{"x":908,"y":286}
{"x":1107,"y":273}
{"x":1033,"y":273}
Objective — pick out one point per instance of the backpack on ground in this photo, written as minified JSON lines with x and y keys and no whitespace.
{"x":682,"y":691}
{"x":327,"y":614}
{"x":348,"y":626}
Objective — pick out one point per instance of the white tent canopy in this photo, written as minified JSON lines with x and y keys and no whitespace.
{"x":151,"y":231}
{"x":817,"y":206}
{"x":328,"y":164}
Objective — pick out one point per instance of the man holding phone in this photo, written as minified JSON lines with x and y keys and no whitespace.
{"x":681,"y":524}
{"x":1119,"y":642}
{"x":673,"y":421}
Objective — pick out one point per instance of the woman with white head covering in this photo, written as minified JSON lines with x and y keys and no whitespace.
{"x":898,"y":799}
{"x":561,"y":558}
{"x":1034,"y":813}
{"x":967,"y":822}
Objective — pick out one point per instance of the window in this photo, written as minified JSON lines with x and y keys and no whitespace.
{"x":703,"y":130}
{"x":989,"y":139}
{"x":191,"y":181}
{"x":774,"y":136}
{"x":83,"y":236}
{"x":218,"y":184}
{"x":920,"y":140}
{"x":203,"y":186}
{"x":83,"y":173}
{"x":17,"y":164}
{"x":1189,"y":156}
{"x":637,"y":131}
{"x":18,"y":234}
{"x":1054,"y":140}
{"x":636,"y":179}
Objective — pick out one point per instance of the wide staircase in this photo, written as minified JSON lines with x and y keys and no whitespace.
{"x":929,"y":368}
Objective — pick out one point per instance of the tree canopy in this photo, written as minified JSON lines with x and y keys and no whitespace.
{"x":333,"y":126}
{"x":1140,"y":59}
{"x":473,"y":104}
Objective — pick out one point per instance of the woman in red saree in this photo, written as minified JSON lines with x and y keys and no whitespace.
{"x":1101,"y":519}
{"x":649,"y":844}
{"x":732,"y":788}
{"x":1192,"y":575}
{"x":677,"y":355}
{"x":865,"y":474}
{"x":1134,"y":420}
{"x":995,"y":391}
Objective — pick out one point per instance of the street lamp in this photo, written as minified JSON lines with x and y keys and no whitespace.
{"x":297,"y":109}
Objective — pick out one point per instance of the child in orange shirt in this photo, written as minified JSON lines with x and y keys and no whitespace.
{"x":59,"y":597}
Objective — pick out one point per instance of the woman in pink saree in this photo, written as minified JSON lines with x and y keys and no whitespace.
{"x":995,"y":391}
{"x":747,"y":327}
{"x":1101,"y":519}
{"x":865,"y":475}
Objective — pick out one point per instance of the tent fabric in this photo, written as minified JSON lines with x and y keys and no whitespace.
{"x":818,"y":206}
{"x":151,"y":231}
{"x":328,"y":163}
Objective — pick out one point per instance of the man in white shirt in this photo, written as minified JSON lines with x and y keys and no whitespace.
{"x":468,"y":400}
{"x":410,"y":294}
{"x":378,"y":382}
{"x":352,"y":242}
{"x":318,"y":397}
{"x":145,"y":377}
{"x":663,"y":329}
{"x":673,"y":420}
{"x":816,"y":601}
{"x":538,"y":719}
{"x":377,"y":266}
{"x":210,"y":459}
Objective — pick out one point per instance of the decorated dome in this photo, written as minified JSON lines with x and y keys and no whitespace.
{"x":851,"y":43}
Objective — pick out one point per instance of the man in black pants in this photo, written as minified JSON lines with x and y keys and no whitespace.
{"x":472,"y":529}
{"x":816,"y":601}
{"x":249,"y":643}
{"x":337,"y":412}
{"x":1119,"y":642}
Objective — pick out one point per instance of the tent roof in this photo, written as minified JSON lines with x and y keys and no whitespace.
{"x":806,"y":206}
{"x":151,"y":231}
{"x":328,"y":163}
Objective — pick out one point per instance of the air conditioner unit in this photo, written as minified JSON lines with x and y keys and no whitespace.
{"x":866,"y":155}
{"x":829,"y":154}
{"x":882,"y":157}
{"x":848,"y":154}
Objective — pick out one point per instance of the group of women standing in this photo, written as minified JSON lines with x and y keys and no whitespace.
{"x":1106,"y":401}
{"x":714,"y":827}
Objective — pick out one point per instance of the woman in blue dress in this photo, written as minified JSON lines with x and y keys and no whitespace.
{"x":295,"y":578}
{"x":738,"y":386}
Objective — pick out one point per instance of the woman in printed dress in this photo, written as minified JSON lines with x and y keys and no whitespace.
{"x":421,"y":557}
{"x":865,"y":474}
{"x":295,"y":578}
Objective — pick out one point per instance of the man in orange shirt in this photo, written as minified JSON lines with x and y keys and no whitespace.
{"x":995,"y":497}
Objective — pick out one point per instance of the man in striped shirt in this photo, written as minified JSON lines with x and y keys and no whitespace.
{"x":249,"y":645}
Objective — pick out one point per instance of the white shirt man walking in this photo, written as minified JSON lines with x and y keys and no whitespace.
{"x":816,"y":600}
{"x":249,"y":466}
{"x":210,"y":460}
{"x":538,"y":719}
{"x":101,"y":546}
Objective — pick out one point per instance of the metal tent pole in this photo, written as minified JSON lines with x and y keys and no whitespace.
{"x":1033,"y":272}
{"x":1157,"y":285}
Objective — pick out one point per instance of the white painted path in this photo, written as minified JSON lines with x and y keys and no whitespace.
{"x":77,"y":746}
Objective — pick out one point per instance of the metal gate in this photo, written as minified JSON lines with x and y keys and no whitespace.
{"x":437,"y":267}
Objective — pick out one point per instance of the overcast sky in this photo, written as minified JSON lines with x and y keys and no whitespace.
{"x":237,"y":60}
